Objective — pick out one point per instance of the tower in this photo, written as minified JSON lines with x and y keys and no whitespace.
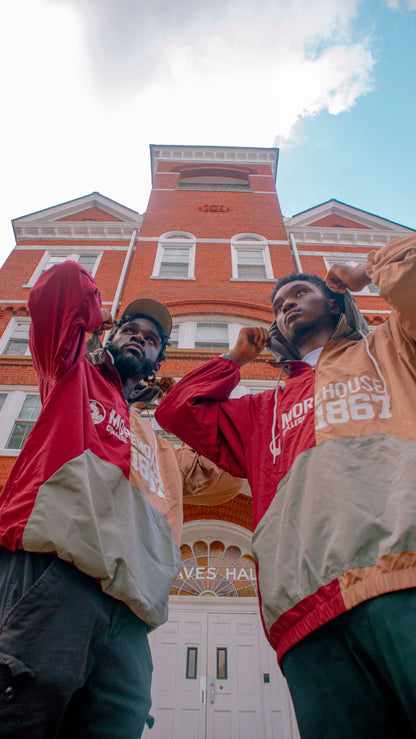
{"x":210,"y":246}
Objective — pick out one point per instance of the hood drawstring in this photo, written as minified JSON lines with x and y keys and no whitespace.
{"x":275,"y":449}
{"x":378,"y":370}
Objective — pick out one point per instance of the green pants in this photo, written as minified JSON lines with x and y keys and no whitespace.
{"x":355,"y":677}
{"x":74,"y":662}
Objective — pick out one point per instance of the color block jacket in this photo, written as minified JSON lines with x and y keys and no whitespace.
{"x":330,"y":456}
{"x":93,"y":483}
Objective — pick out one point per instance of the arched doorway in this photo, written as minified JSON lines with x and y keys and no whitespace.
{"x":214,"y":672}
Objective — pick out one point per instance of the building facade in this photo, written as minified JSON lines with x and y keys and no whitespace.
{"x":210,"y":246}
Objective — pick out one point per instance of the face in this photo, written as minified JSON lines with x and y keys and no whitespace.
{"x":302,"y":308}
{"x":136,"y":346}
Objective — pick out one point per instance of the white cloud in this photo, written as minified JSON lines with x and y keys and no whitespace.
{"x":274,"y":61}
{"x":91,"y":83}
{"x":402,"y":6}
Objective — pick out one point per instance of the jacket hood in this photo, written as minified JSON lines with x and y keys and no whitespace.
{"x":351,"y":323}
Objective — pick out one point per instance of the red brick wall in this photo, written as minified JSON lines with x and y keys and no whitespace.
{"x":238,"y":510}
{"x":180,"y":210}
{"x":91,"y":214}
{"x":336,"y":221}
{"x":255,"y":210}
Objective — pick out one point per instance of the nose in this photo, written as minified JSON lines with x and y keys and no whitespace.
{"x":288,"y":304}
{"x":138,"y":337}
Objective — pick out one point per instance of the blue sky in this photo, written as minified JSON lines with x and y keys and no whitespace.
{"x":89,"y":84}
{"x":367,"y":155}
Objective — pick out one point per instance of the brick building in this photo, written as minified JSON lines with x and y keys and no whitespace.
{"x":210,"y":246}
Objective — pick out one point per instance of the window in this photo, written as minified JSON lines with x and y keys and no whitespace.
{"x":175,"y":257}
{"x":174,"y":335}
{"x":211,"y":336}
{"x":88,"y":260}
{"x":353,"y":260}
{"x":222,"y":663}
{"x":3,"y":397}
{"x":24,"y":423}
{"x":15,"y":339}
{"x":213,"y":178}
{"x":195,"y":332}
{"x":250,"y":258}
{"x":191,"y":663}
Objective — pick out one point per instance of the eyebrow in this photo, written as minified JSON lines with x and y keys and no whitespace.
{"x":154,"y":333}
{"x":293,"y":286}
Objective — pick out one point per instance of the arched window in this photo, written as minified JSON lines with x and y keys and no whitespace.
{"x":175,"y":256}
{"x":250,"y":258}
{"x":217,"y":178}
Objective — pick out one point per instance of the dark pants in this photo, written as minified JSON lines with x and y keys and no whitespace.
{"x":356,"y":676}
{"x":74,"y":662}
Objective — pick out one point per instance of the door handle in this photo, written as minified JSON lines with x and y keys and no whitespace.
{"x":212,"y":690}
{"x":203,"y":688}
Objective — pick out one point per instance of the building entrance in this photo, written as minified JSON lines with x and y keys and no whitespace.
{"x":216,"y":676}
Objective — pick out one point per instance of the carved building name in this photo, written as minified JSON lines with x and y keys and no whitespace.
{"x":214,"y":208}
{"x":210,"y":573}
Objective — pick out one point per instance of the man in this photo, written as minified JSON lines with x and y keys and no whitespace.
{"x":330,"y":457}
{"x":93,"y":487}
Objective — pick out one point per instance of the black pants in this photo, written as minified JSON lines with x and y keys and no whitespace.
{"x":356,"y":676}
{"x":74,"y":662}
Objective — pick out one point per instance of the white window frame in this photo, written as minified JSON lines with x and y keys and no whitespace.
{"x":178,"y":239}
{"x":353,"y":260}
{"x":75,"y":256}
{"x":9,"y":333}
{"x":187,"y":333}
{"x":251,"y":242}
{"x":9,"y":414}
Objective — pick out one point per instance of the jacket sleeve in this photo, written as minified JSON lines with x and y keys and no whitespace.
{"x":198,"y":411}
{"x":393,"y":269}
{"x":203,"y":482}
{"x":64,"y":304}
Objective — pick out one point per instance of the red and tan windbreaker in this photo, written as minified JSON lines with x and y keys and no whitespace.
{"x":93,"y":483}
{"x":330,"y":456}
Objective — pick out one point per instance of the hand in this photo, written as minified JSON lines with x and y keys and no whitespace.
{"x":107,"y":320}
{"x":164,"y":383}
{"x":251,"y":341}
{"x":343,"y":276}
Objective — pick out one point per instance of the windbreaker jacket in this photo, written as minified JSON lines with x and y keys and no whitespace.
{"x":330,"y":456}
{"x":93,"y":483}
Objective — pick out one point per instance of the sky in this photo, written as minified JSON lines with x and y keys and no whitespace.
{"x":87,"y":85}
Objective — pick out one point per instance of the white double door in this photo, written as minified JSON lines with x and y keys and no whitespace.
{"x":216,"y":676}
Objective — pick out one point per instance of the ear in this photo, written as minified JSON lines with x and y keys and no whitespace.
{"x":156,"y":367}
{"x":335,"y":309}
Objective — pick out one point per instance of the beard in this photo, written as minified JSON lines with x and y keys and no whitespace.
{"x":129,"y":366}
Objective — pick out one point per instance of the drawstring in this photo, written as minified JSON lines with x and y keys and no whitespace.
{"x":275,"y":450}
{"x":378,"y":370}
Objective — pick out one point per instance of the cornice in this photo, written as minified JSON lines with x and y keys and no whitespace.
{"x":10,"y":360}
{"x":341,"y":236}
{"x":213,"y":154}
{"x":197,"y":305}
{"x":103,"y":230}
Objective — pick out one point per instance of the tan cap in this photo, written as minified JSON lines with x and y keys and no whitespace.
{"x":151,"y":309}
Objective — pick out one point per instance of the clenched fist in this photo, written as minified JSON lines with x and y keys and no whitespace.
{"x":343,"y":276}
{"x":251,"y":341}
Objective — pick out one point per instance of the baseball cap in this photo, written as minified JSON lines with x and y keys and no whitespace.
{"x":152,"y":309}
